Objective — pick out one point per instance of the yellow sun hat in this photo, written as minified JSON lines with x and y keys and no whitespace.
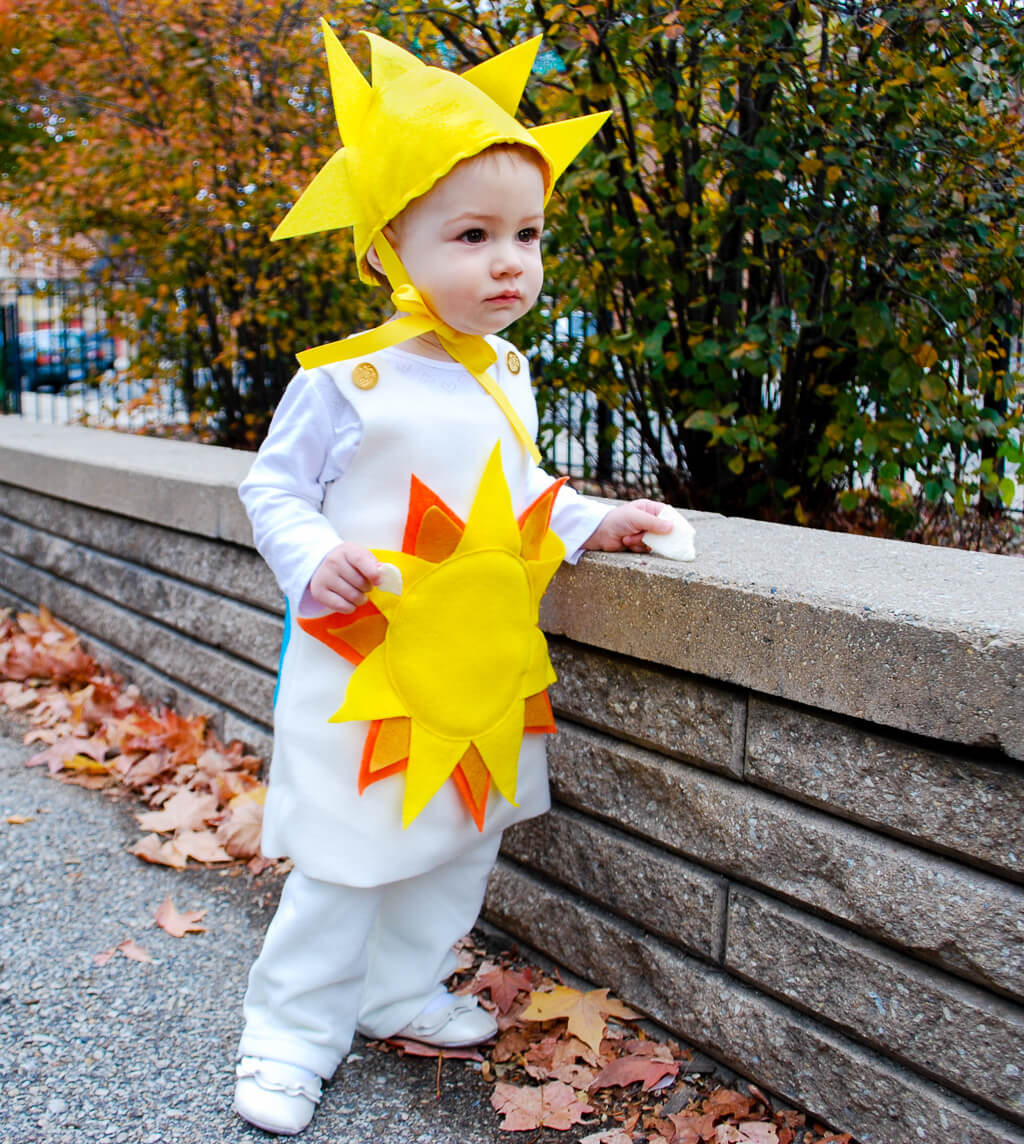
{"x":408,"y":129}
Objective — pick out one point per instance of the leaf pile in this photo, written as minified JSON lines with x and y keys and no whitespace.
{"x":565,"y":1058}
{"x":205,"y":797}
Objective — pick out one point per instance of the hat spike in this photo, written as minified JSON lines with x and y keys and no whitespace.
{"x":388,"y":61}
{"x":503,"y":77}
{"x":350,"y":92}
{"x":562,"y":142}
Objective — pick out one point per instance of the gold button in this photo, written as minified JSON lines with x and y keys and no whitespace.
{"x":512,"y":361}
{"x":365,"y":375}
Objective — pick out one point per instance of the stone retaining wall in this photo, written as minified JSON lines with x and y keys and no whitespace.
{"x":787,"y":784}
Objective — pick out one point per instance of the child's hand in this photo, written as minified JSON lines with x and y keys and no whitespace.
{"x":624,"y":527}
{"x":343,"y":577}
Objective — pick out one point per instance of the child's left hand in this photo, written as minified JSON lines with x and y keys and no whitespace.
{"x":624,"y":527}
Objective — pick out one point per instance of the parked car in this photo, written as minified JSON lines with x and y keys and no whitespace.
{"x":55,"y":358}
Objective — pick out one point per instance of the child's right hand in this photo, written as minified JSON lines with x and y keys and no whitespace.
{"x":343,"y":577}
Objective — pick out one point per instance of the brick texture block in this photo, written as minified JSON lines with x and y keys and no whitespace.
{"x":676,"y":714}
{"x":948,"y":802}
{"x":660,"y":891}
{"x":968,"y":922}
{"x":942,"y":1028}
{"x":247,"y":632}
{"x":232,"y":570}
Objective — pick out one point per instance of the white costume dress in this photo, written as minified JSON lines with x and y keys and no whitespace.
{"x":398,"y":416}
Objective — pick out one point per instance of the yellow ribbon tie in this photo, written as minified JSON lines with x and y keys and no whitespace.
{"x":469,"y":350}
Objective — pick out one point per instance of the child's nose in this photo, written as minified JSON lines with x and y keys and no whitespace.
{"x":507,"y":261}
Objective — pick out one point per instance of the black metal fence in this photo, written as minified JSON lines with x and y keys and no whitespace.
{"x":59,"y":364}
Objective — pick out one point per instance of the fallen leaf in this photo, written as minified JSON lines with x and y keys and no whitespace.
{"x":629,"y":1069}
{"x":130,"y":948}
{"x":554,"y":1105}
{"x":240,"y":832}
{"x":176,"y":922}
{"x":586,"y":1012}
{"x":616,"y":1136}
{"x":56,"y":756}
{"x":154,"y":849}
{"x":504,"y":985}
{"x":200,"y":845}
{"x":748,"y":1132}
{"x":185,"y":810}
{"x":419,"y":1049}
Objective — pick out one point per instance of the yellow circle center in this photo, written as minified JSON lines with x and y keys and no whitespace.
{"x":453,"y":638}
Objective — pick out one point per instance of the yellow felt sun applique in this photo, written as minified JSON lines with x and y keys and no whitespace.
{"x":453,"y":671}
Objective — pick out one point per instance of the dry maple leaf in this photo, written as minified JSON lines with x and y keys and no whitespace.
{"x":130,"y":948}
{"x":585,"y":1012}
{"x":419,"y":1049}
{"x":200,"y":845}
{"x":615,"y":1136}
{"x":54,"y":758}
{"x":504,"y":984}
{"x":176,"y":922}
{"x":747,"y":1132}
{"x":557,"y":1058}
{"x":631,"y":1068}
{"x":554,"y":1105}
{"x":184,"y":810}
{"x":241,"y":829}
{"x":154,"y":849}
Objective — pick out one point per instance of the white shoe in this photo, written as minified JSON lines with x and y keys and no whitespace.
{"x":275,"y":1096}
{"x":450,"y":1022}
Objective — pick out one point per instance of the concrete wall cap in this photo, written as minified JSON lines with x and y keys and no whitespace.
{"x":179,"y":484}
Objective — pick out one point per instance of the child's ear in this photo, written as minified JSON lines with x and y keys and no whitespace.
{"x":373,"y":258}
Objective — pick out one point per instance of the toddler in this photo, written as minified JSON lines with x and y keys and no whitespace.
{"x":398,"y":501}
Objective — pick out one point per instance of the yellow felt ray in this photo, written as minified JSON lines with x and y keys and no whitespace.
{"x":413,"y":569}
{"x":562,"y":142}
{"x":326,"y":204}
{"x":350,"y":92}
{"x":492,"y":522}
{"x":540,"y":573}
{"x":431,"y":762}
{"x":369,"y":694}
{"x":503,"y":77}
{"x":389,"y":62}
{"x":539,"y":675}
{"x":499,"y":749}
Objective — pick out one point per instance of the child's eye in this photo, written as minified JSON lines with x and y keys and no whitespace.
{"x":474,"y":234}
{"x":528,"y":234}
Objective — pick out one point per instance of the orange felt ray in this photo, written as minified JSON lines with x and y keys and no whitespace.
{"x":535,"y":518}
{"x":438,"y":537}
{"x":384,"y":734}
{"x":352,"y":635}
{"x":421,"y":500}
{"x":538,"y":715}
{"x":473,"y":782}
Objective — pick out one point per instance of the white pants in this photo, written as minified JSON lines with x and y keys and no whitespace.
{"x":335,"y":956}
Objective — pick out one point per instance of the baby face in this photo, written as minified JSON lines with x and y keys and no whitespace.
{"x":471,"y":244}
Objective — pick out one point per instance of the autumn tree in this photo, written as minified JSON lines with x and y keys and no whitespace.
{"x":173,"y":139}
{"x":799,"y":241}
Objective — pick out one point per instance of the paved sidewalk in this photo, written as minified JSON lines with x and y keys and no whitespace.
{"x":133,"y":1053}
